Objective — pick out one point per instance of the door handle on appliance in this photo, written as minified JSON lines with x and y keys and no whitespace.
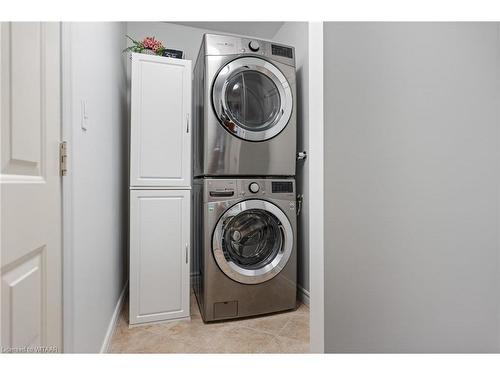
{"x":283,"y":236}
{"x":302,"y":155}
{"x":226,"y":121}
{"x":228,"y":193}
{"x":223,"y":116}
{"x":187,"y":246}
{"x":300,"y":198}
{"x":187,"y":122}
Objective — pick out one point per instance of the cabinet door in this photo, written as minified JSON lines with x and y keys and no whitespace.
{"x":160,"y":152}
{"x":159,"y":255}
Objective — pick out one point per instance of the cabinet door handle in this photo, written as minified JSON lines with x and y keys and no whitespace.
{"x":187,"y":123}
{"x":186,"y":253}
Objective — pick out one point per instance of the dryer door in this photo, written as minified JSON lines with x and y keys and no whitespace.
{"x":252,"y":241}
{"x":252,"y":99}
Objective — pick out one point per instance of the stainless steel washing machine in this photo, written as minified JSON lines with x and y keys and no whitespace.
{"x":244,"y":108}
{"x":245,"y":259}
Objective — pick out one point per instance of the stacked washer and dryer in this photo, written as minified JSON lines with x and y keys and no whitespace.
{"x":245,"y":256}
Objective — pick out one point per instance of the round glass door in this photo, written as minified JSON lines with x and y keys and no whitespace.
{"x":252,"y":99}
{"x":252,"y":241}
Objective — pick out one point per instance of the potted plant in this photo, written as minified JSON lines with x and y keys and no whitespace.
{"x":149,"y":45}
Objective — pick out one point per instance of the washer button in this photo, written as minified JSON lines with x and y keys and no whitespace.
{"x":254,"y":187}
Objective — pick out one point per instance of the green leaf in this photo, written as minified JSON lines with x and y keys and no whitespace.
{"x":134,"y":41}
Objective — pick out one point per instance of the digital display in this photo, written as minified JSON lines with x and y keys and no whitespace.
{"x":281,"y":51}
{"x":282,"y":187}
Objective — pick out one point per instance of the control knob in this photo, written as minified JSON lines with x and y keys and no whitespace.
{"x":254,"y":46}
{"x":254,"y":187}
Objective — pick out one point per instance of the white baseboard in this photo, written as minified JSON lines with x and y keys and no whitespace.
{"x":303,"y":295}
{"x":114,"y":320}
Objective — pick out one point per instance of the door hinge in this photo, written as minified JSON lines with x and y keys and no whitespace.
{"x":63,"y":158}
{"x":187,"y":122}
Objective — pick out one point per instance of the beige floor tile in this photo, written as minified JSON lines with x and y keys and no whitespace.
{"x":296,"y":328}
{"x":283,"y":345}
{"x":172,"y":346}
{"x":270,"y":323}
{"x":280,"y":333}
{"x":132,"y":341}
{"x":153,"y":344}
{"x":240,"y":339}
{"x":195,"y":332}
{"x":302,"y":309}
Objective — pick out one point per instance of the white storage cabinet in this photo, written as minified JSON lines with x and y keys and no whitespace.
{"x":159,"y":255}
{"x":160,"y":188}
{"x":160,"y":122}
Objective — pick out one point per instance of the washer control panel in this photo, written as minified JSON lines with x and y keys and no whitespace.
{"x":266,"y":188}
{"x":219,"y":189}
{"x":282,"y":186}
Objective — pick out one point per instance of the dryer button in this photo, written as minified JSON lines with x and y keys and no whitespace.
{"x":254,"y":46}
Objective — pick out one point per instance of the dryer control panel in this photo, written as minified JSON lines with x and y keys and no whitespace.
{"x":222,"y":45}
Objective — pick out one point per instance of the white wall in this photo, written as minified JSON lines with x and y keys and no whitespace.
{"x":296,"y":34}
{"x":95,"y":213}
{"x":412,"y":172}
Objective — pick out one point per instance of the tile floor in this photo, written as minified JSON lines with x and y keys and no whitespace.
{"x":279,"y":333}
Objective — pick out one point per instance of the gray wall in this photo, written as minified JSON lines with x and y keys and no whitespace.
{"x":296,"y":34}
{"x":188,"y":35}
{"x":95,"y":261}
{"x":412,"y":167}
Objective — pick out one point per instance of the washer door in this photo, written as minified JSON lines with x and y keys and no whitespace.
{"x":252,"y":99}
{"x":252,"y":241}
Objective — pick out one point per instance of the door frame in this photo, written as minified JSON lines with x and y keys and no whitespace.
{"x":316,"y":188}
{"x":67,"y":188}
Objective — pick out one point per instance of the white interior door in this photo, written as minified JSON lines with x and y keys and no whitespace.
{"x":30,"y":186}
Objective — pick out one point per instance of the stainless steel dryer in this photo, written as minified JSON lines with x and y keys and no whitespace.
{"x":244,"y":108}
{"x":245,"y":247}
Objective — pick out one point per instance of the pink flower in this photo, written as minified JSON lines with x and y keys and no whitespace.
{"x":151,"y":43}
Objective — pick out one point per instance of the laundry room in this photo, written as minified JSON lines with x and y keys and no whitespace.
{"x":253,"y":187}
{"x":247,"y":250}
{"x":190,"y":141}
